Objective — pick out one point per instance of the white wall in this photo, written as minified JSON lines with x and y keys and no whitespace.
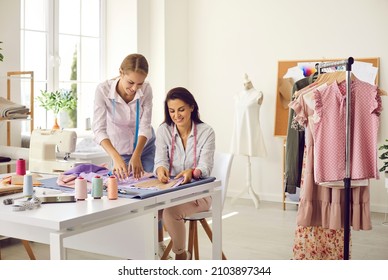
{"x":228,"y":38}
{"x":121,"y":33}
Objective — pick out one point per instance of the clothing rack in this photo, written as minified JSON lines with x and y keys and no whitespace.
{"x":348,"y":63}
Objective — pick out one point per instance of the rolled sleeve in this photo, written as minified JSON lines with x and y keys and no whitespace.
{"x":146,"y":112}
{"x":99,"y":125}
{"x":207,"y":147}
{"x":163,"y":143}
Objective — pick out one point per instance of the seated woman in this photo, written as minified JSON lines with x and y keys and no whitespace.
{"x":184,"y":148}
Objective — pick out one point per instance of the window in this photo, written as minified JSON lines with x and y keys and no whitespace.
{"x":61,"y":43}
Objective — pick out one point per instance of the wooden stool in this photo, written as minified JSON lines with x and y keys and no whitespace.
{"x":28,"y":248}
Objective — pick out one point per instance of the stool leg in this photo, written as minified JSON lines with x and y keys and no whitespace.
{"x":167,"y":251}
{"x":28,"y":249}
{"x":196,"y":247}
{"x":191,"y":237}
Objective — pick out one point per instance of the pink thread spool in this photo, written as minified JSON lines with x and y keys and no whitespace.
{"x":20,"y":167}
{"x":112,"y":187}
{"x":81,"y":190}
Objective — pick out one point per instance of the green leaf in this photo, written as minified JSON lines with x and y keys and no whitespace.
{"x":58,"y":100}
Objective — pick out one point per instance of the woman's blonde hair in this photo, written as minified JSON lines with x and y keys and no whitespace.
{"x":134,"y":63}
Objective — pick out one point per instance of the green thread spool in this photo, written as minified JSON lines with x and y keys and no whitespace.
{"x":97,"y":187}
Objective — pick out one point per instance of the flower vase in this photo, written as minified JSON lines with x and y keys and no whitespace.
{"x":56,"y":125}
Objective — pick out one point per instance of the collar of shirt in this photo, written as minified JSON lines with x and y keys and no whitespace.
{"x":176,"y":133}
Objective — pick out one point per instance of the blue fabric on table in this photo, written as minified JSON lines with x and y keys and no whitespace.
{"x":135,"y":193}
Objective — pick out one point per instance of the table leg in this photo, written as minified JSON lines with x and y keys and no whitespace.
{"x":217,"y":225}
{"x":57,"y":251}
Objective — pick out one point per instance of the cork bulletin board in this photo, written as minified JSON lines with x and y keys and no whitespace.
{"x":281,"y":113}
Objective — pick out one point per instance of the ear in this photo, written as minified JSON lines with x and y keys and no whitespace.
{"x":192,"y":108}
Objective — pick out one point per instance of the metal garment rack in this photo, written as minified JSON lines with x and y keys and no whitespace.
{"x":348,"y":63}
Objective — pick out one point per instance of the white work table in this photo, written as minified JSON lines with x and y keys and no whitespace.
{"x":124,"y":228}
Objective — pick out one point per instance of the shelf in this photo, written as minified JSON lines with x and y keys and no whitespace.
{"x":20,"y":75}
{"x":13,"y":161}
{"x":11,"y":76}
{"x":14,"y":119}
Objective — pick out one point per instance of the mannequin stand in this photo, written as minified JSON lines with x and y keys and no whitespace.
{"x":248,"y":188}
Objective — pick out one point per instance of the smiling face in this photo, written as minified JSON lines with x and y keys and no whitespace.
{"x":129,"y":83}
{"x":180,"y":112}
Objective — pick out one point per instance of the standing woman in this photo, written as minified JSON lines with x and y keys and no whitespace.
{"x":184,"y":148}
{"x":122,"y":118}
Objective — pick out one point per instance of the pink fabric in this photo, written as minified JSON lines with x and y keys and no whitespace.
{"x":321,"y":205}
{"x":330,"y":131}
{"x":173,"y":219}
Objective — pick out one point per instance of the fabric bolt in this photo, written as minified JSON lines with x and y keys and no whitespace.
{"x":184,"y":158}
{"x":247,"y":137}
{"x":330,"y":132}
{"x":115,"y":119}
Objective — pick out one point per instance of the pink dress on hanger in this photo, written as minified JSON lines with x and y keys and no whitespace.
{"x":320,"y":212}
{"x":330,"y":131}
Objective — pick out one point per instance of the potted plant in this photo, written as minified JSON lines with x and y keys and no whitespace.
{"x":384,"y":157}
{"x":57,"y":101}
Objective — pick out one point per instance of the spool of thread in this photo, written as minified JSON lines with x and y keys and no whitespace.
{"x":97,"y":187}
{"x":81,"y":189}
{"x":20,"y":167}
{"x":112,"y":187}
{"x":27,"y":186}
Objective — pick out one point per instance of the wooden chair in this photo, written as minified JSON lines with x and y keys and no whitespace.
{"x":28,"y":248}
{"x":221,"y":170}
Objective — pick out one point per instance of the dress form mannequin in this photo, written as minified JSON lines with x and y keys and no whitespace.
{"x":247,"y":137}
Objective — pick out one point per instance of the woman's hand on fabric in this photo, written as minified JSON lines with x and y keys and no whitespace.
{"x":186,"y":174}
{"x":136,"y":167}
{"x":162,"y":174}
{"x":120,"y":169}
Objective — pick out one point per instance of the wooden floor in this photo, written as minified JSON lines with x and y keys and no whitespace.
{"x":266,"y":233}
